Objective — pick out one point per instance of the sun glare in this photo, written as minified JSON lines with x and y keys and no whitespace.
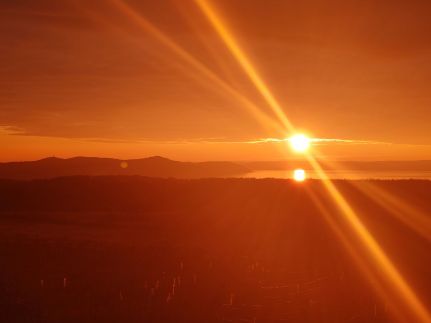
{"x":299,"y":175}
{"x":299,"y":143}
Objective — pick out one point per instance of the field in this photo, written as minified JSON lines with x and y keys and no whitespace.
{"x":136,"y":249}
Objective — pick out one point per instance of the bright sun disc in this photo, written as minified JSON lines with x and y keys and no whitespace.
{"x":299,"y":143}
{"x":299,"y":175}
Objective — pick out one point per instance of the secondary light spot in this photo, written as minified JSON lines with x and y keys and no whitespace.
{"x":124,"y":164}
{"x":299,"y":175}
{"x":299,"y":142}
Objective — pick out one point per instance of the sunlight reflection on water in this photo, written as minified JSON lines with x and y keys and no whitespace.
{"x":343,"y":174}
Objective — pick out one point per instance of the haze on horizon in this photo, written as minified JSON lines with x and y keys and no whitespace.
{"x":80,"y":78}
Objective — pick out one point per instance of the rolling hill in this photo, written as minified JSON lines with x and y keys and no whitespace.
{"x":155,"y":166}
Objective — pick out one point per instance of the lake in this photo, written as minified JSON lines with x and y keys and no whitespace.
{"x":344,"y":174}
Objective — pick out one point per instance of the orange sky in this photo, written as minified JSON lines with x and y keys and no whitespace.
{"x":87,"y":78}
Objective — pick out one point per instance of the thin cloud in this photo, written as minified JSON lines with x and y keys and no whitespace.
{"x":316,"y":141}
{"x":11,"y":130}
{"x":319,"y":141}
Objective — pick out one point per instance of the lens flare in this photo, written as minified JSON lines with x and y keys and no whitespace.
{"x":202,"y":70}
{"x":299,"y":175}
{"x":396,"y":286}
{"x":299,"y":143}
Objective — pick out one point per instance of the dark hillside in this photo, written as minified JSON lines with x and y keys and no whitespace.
{"x":152,"y":166}
{"x":136,"y":249}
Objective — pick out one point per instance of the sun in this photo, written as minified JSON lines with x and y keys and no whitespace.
{"x":299,"y":175}
{"x":299,"y":143}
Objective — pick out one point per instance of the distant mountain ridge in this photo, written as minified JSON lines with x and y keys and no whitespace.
{"x":154,"y":166}
{"x":157,"y":166}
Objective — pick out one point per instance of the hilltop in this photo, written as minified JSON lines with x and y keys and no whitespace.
{"x":155,"y":166}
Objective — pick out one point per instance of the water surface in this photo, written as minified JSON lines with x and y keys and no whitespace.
{"x":344,"y":174}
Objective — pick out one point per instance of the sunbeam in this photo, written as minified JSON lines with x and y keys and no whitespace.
{"x":388,"y":270}
{"x":413,"y":305}
{"x":267,"y":121}
{"x":215,"y":161}
{"x":244,"y":62}
{"x":404,"y":212}
{"x":355,"y":255}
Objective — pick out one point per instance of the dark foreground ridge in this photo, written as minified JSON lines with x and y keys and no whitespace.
{"x":136,"y":249}
{"x":155,"y":166}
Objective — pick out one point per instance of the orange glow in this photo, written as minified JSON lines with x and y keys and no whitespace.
{"x":148,"y":47}
{"x":76,"y":86}
{"x":402,"y":291}
{"x":406,"y":213}
{"x":265,"y":120}
{"x":299,"y":143}
{"x":354,"y":253}
{"x":382,"y":263}
{"x":299,"y":175}
{"x":244,"y":62}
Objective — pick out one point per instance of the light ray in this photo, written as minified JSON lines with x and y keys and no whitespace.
{"x":411,"y":216}
{"x":383,"y":263}
{"x":404,"y":212}
{"x":345,"y":239}
{"x":251,"y":107}
{"x":244,"y":62}
{"x":406,"y":295}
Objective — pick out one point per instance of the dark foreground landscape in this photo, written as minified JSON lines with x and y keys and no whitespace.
{"x":136,"y":249}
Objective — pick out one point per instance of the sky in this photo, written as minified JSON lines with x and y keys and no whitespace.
{"x":131,"y":79}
